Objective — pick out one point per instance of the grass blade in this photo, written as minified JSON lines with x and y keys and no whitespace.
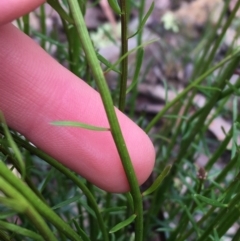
{"x":142,"y":24}
{"x":79,"y":124}
{"x":158,"y":181}
{"x":123,"y":224}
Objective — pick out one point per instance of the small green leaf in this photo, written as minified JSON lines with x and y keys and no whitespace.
{"x":216,"y":236}
{"x":4,"y":215}
{"x":207,"y":88}
{"x":144,"y":20}
{"x":80,"y":231}
{"x":58,"y":8}
{"x":123,"y":224}
{"x":176,"y":117}
{"x":158,"y":181}
{"x":114,"y":209}
{"x":128,"y":53}
{"x":114,"y":5}
{"x":234,"y":88}
{"x":66,"y":202}
{"x":140,"y":55}
{"x":130,"y":201}
{"x":79,"y":124}
{"x":210,"y":201}
{"x":107,"y":63}
{"x":20,"y":230}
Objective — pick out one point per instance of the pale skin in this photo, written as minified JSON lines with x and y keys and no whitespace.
{"x":36,"y":90}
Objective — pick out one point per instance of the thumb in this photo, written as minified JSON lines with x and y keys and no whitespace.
{"x":35,"y":90}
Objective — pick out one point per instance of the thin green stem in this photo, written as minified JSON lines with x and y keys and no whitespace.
{"x":69,"y":175}
{"x":187,"y":89}
{"x":203,"y":64}
{"x":92,"y":220}
{"x":4,"y":236}
{"x":223,"y":95}
{"x":26,"y":26}
{"x":221,"y":214}
{"x":208,"y":107}
{"x":185,"y":219}
{"x":43,"y":25}
{"x":111,"y":115}
{"x":27,"y":179}
{"x":136,"y":72}
{"x":124,"y":50}
{"x":219,"y":218}
{"x":37,"y":203}
{"x":236,"y":236}
{"x":26,"y":208}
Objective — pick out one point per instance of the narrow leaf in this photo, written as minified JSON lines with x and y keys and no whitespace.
{"x":58,"y":8}
{"x":79,"y":124}
{"x":123,"y":224}
{"x":4,"y":215}
{"x":210,"y":201}
{"x":66,"y":202}
{"x":114,"y":5}
{"x":21,"y":231}
{"x":138,"y":68}
{"x":158,"y":181}
{"x":207,"y":88}
{"x":129,"y":52}
{"x":80,"y":231}
{"x":234,"y":88}
{"x":114,"y":209}
{"x":144,"y":20}
{"x":107,"y":63}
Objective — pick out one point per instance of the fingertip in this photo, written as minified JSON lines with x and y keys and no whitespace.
{"x":35,"y":93}
{"x":12,"y":9}
{"x":140,"y":147}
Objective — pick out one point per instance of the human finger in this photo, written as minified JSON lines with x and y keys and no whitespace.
{"x":12,"y":9}
{"x":35,"y":90}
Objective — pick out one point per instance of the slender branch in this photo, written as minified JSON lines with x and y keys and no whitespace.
{"x":124,"y":50}
{"x":111,"y":115}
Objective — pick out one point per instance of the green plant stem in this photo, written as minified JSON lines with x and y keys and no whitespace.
{"x":203,"y":64}
{"x":43,"y":25}
{"x":92,"y":220}
{"x":187,"y":89}
{"x":26,"y":208}
{"x":26,"y":25}
{"x":185,"y":219}
{"x":229,"y":219}
{"x":221,"y":216}
{"x":37,"y":204}
{"x":223,"y":95}
{"x":124,"y":50}
{"x":176,"y":130}
{"x":69,"y":175}
{"x":110,"y":111}
{"x":27,"y":179}
{"x":139,"y":42}
{"x":4,"y":236}
{"x":236,"y":236}
{"x":207,"y":108}
{"x":209,"y":213}
{"x":220,"y":150}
